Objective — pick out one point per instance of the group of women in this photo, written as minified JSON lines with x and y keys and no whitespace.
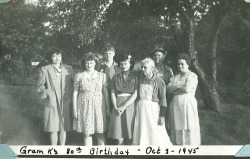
{"x":113,"y":101}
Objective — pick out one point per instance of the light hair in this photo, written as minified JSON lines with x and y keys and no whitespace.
{"x":149,"y":61}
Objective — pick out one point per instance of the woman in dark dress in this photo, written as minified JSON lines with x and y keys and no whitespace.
{"x":123,"y":95}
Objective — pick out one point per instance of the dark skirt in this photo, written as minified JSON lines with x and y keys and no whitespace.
{"x":122,"y":126}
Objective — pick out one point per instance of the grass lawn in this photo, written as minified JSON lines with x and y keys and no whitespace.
{"x":21,"y":119}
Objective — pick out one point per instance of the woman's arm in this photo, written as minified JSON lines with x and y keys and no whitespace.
{"x":170,"y":88}
{"x":113,"y":100}
{"x":162,"y":101}
{"x":128,"y":102}
{"x":75,"y":94}
{"x":106,"y":97}
{"x":41,"y":84}
{"x":189,"y":86}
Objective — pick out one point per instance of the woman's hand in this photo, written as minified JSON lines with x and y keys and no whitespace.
{"x":161,"y":121}
{"x":44,"y":94}
{"x":121,"y":109}
{"x":116,"y":111}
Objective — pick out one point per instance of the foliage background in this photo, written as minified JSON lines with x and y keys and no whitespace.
{"x":28,"y":30}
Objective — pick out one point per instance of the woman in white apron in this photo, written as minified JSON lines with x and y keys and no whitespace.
{"x":149,"y":126}
{"x":184,"y":119}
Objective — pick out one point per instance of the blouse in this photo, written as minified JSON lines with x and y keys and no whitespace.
{"x":190,"y":79}
{"x":159,"y":89}
{"x":121,"y":85}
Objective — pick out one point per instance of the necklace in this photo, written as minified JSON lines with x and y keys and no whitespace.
{"x":57,"y":69}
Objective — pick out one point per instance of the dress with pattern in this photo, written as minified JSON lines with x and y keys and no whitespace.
{"x":184,"y":119}
{"x":91,"y":108}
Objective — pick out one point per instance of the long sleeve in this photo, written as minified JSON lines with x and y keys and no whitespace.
{"x":191,"y":82}
{"x":76,"y":83}
{"x":41,"y":89}
{"x":162,"y":93}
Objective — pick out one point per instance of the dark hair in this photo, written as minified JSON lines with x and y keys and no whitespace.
{"x":89,"y":57}
{"x":51,"y":51}
{"x":109,"y":47}
{"x":125,"y":57}
{"x":185,"y":57}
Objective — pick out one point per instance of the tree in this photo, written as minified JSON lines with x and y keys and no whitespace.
{"x":190,"y":13}
{"x":22,"y":36}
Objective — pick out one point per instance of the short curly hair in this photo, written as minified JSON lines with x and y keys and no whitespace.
{"x":148,"y":60}
{"x":51,"y":51}
{"x":185,"y":57}
{"x":89,"y":57}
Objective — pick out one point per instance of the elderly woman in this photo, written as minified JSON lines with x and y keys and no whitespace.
{"x":184,"y":119}
{"x":149,"y":126}
{"x":123,"y":95}
{"x":55,"y":86}
{"x":91,"y":102}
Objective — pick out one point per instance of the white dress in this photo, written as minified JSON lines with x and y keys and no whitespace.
{"x":184,"y":119}
{"x":146,"y":129}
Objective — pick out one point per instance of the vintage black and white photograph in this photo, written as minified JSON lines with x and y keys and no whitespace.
{"x":124,"y":72}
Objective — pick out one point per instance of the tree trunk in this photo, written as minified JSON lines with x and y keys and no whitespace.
{"x":207,"y":85}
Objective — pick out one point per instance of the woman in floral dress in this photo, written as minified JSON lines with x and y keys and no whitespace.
{"x":184,"y":119}
{"x":90,"y":102}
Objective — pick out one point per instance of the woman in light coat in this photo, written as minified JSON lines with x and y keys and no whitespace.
{"x":55,"y":85}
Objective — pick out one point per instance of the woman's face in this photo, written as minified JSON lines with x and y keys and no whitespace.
{"x":56,"y":58}
{"x":158,"y":57}
{"x":182,"y":65}
{"x":125,"y":65}
{"x":147,"y":68}
{"x":90,"y":65}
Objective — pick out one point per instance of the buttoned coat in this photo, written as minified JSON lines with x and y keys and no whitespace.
{"x":57,"y":114}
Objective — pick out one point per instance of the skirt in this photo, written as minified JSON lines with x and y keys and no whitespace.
{"x":146,"y":130}
{"x":121,"y":126}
